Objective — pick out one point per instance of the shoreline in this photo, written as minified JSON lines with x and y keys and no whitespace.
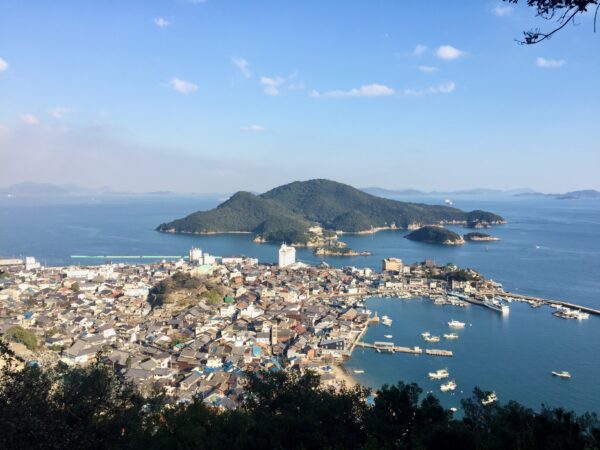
{"x":341,"y":373}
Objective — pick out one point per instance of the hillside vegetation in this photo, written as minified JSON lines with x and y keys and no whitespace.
{"x":92,"y":408}
{"x":435,"y":235}
{"x":286,"y":213}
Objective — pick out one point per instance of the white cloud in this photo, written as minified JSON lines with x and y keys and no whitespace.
{"x":59,"y":112}
{"x":3,"y":65}
{"x":242,"y":65}
{"x":448,"y":52}
{"x":443,"y":88}
{"x":369,"y":90}
{"x":161,"y":22}
{"x":254,"y":128}
{"x":182,"y":86}
{"x":502,"y":10}
{"x":419,"y":49}
{"x":271,"y":85}
{"x":29,"y":119}
{"x":549,"y":63}
{"x":428,"y":69}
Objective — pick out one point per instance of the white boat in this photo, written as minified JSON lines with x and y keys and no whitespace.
{"x":449,"y":386}
{"x":386,"y":321}
{"x":453,"y":409}
{"x":426,"y":334}
{"x":566,"y":313}
{"x":496,"y":305}
{"x":388,"y":336}
{"x":448,"y":202}
{"x":358,"y":371}
{"x":439,"y":374}
{"x":456,"y":324}
{"x":561,"y":374}
{"x":451,"y":336}
{"x":491,"y":398}
{"x":432,"y":339}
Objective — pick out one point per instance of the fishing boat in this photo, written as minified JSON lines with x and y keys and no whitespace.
{"x":456,"y":324}
{"x":388,"y":336}
{"x":439,"y":374}
{"x":359,"y":371}
{"x":561,"y":374}
{"x":426,"y":334}
{"x":386,"y":321}
{"x":449,"y":386}
{"x":432,"y":339}
{"x":451,"y":336}
{"x":491,"y":398}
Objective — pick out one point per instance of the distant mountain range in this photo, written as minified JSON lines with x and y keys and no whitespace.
{"x":573,"y":195}
{"x":29,"y":189}
{"x":286,"y":213}
{"x":414,"y":192}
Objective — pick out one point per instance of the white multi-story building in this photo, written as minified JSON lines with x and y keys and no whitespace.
{"x":195,"y":255}
{"x":287,"y":255}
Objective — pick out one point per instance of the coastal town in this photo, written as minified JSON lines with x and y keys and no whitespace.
{"x":193,"y":327}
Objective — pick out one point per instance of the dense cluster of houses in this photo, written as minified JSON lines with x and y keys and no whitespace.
{"x":309,"y":317}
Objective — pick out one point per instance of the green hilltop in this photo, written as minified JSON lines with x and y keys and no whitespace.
{"x":287,"y":212}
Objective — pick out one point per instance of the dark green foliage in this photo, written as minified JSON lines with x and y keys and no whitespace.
{"x":285,"y":213}
{"x":433,"y":235}
{"x":242,"y":212}
{"x":19,"y":334}
{"x":91,"y":408}
{"x":563,"y":11}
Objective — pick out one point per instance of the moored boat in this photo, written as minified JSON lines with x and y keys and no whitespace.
{"x":456,"y":324}
{"x":488,"y":400}
{"x":439,"y":374}
{"x":449,"y":386}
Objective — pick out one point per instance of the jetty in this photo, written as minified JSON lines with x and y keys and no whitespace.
{"x":391,"y":348}
{"x":545,"y":301}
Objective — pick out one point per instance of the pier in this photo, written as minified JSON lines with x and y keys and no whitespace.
{"x":391,"y":348}
{"x":546,"y":301}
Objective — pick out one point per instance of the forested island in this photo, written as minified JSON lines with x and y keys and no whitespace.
{"x":435,"y":235}
{"x":301,"y":211}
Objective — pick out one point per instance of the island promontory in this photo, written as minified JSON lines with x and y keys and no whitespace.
{"x":300,"y":212}
{"x":433,"y":234}
{"x":479,"y":237}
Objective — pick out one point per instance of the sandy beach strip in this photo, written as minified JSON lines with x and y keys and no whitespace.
{"x":341,"y":373}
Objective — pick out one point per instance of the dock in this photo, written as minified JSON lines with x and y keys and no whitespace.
{"x":391,"y":348}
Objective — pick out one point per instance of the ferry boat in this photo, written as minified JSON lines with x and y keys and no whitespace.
{"x":386,"y":321}
{"x":491,"y":398}
{"x":495,"y":305}
{"x":449,"y":386}
{"x":456,"y":324}
{"x":439,"y":374}
{"x":561,"y":374}
{"x":432,"y":339}
{"x":451,"y":336}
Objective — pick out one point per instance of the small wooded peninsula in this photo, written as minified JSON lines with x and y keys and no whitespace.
{"x":301,"y":212}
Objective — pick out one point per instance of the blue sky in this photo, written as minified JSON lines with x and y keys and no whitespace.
{"x":224,"y":95}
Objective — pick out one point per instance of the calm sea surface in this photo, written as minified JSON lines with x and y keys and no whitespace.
{"x":549,"y":248}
